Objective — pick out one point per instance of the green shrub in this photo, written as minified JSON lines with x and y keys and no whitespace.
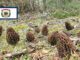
{"x":64,"y":14}
{"x":60,"y":14}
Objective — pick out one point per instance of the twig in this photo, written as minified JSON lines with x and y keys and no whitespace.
{"x":16,"y":54}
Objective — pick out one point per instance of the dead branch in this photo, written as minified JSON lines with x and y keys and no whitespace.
{"x":16,"y":54}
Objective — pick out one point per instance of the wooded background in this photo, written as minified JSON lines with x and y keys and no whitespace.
{"x":63,"y":7}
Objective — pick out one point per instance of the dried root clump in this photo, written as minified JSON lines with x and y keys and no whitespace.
{"x":12,"y":37}
{"x":30,"y":36}
{"x":45,"y":30}
{"x":1,"y":29}
{"x":68,"y":26}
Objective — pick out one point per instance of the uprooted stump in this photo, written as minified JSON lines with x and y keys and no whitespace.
{"x":12,"y":37}
{"x":63,"y":44}
{"x":68,"y":26}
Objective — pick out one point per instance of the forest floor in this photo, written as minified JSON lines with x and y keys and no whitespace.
{"x":43,"y":50}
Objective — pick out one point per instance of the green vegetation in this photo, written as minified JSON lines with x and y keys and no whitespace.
{"x":32,"y":13}
{"x":22,"y":28}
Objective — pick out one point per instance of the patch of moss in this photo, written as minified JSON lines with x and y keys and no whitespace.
{"x":20,"y":27}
